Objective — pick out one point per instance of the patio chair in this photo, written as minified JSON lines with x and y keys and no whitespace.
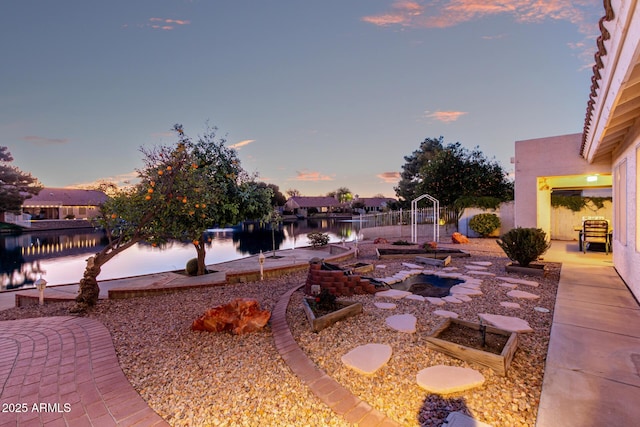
{"x":595,"y":231}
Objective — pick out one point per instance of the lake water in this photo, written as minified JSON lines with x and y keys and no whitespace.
{"x":60,"y":256}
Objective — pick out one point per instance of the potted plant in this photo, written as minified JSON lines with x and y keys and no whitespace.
{"x":323,"y":310}
{"x":523,"y":246}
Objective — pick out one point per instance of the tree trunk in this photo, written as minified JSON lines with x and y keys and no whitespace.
{"x":201,"y":251}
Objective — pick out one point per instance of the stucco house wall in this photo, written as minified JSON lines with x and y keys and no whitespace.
{"x":539,"y":159}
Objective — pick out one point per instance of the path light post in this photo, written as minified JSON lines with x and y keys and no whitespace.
{"x":261,"y":261}
{"x":40,"y":285}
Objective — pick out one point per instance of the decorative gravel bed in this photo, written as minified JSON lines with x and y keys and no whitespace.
{"x":198,"y":379}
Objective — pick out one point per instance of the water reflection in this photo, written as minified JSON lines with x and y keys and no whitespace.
{"x":60,"y":256}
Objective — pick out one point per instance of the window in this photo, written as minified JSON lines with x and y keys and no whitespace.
{"x":620,"y":203}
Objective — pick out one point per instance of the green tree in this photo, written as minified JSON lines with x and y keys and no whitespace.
{"x":15,"y":185}
{"x":411,"y":174}
{"x":277,"y":199}
{"x":211,"y":189}
{"x":292,"y":192}
{"x":454,"y":173}
{"x":342,"y":194}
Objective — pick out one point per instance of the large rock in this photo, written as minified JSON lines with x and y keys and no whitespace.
{"x":240,"y":316}
{"x":459,"y":238}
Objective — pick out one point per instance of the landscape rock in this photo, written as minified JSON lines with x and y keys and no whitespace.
{"x":519,"y":281}
{"x":240,"y":316}
{"x":385,"y":305}
{"x":393,"y":293}
{"x":459,"y":238}
{"x":435,"y":301}
{"x":510,"y":304}
{"x":522,"y":294}
{"x":445,"y":313}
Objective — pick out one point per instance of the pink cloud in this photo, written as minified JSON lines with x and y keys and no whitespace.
{"x":242,"y":143}
{"x":447,"y":13}
{"x":389,"y":177}
{"x":311,"y":176}
{"x":158,"y":23}
{"x":445,"y":116}
{"x":39,"y":140}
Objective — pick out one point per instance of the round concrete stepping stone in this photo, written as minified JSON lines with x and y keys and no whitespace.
{"x":367,"y":359}
{"x":475,"y":267}
{"x":443,"y":379}
{"x":385,"y":305}
{"x":452,"y":299}
{"x":415,"y":297}
{"x":508,"y":323}
{"x":393,"y":293}
{"x":510,"y":304}
{"x":445,"y":313}
{"x":435,"y":301}
{"x":522,"y":294}
{"x":482,"y":263}
{"x":402,"y":322}
{"x":541,"y":309}
{"x":519,"y":281}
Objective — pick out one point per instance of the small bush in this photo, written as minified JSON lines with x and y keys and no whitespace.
{"x":524,"y":245}
{"x":318,"y":239}
{"x":401,"y":243}
{"x":192,"y":267}
{"x":484,"y":224}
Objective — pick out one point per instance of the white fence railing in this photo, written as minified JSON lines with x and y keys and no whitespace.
{"x":23,"y":220}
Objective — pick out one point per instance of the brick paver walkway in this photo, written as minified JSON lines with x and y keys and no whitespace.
{"x":63,"y":371}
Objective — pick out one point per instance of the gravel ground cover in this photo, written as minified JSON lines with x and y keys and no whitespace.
{"x":199,"y":379}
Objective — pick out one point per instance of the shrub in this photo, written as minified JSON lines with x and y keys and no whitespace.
{"x":401,"y":243}
{"x":192,"y":267}
{"x":524,"y":245}
{"x":484,"y":223}
{"x":318,"y":239}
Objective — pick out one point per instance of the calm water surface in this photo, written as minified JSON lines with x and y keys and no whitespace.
{"x":60,"y":256}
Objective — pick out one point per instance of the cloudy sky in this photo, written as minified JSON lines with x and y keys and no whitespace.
{"x":315,"y":95}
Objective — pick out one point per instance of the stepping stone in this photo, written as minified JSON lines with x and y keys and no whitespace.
{"x":468,"y":285}
{"x":385,"y":305}
{"x":445,"y":313}
{"x":510,"y":304}
{"x":458,"y":419}
{"x":508,"y":323}
{"x":442,"y":379}
{"x":448,"y":275}
{"x":475,"y":267}
{"x":519,"y":281}
{"x":412,"y":266}
{"x":435,"y":301}
{"x":508,"y":285}
{"x":482,"y":263}
{"x":452,"y":299}
{"x":449,"y":268}
{"x":393,"y":293}
{"x":463,"y":298}
{"x":481,"y":273}
{"x":415,"y":297}
{"x":367,"y":359}
{"x":541,"y":309}
{"x":463,"y":290}
{"x":402,"y":322}
{"x":381,"y":266}
{"x":522,"y":294}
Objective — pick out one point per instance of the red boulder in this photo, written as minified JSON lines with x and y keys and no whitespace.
{"x":240,"y":316}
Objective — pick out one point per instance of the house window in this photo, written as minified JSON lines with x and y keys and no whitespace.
{"x":620,"y":203}
{"x":82,"y":210}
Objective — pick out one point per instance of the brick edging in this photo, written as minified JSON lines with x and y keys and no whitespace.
{"x":331,"y":392}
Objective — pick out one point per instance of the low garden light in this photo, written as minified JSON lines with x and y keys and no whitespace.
{"x":261,"y":261}
{"x":40,"y":285}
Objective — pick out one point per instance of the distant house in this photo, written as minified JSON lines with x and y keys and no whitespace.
{"x":374,"y":204}
{"x":64,"y":203}
{"x":304,"y":205}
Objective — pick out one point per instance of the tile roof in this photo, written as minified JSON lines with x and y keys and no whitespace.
{"x":66,"y":197}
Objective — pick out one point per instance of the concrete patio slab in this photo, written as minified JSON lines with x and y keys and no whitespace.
{"x":611,"y":296}
{"x":622,"y":321}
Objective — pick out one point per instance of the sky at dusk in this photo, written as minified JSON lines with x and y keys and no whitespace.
{"x":315,"y":95}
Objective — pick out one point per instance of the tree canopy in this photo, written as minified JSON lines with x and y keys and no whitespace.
{"x":452,"y":173}
{"x":15,"y":185}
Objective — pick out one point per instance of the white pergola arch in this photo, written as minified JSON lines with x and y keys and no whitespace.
{"x":414,"y":218}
